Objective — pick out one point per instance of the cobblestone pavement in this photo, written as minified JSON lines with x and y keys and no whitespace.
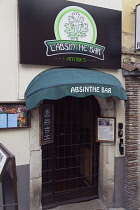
{"x":88,"y":205}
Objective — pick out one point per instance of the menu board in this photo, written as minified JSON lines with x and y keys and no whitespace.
{"x":3,"y":159}
{"x":47,"y":123}
{"x":13,"y":116}
{"x":106,"y":127}
{"x":8,"y":179}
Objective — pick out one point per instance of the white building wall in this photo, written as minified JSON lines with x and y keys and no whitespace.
{"x":8,"y":50}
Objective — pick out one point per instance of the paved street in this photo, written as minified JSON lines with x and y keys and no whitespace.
{"x":89,"y":205}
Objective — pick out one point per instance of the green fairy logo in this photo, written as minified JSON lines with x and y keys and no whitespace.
{"x":75,"y":32}
{"x":76,"y":28}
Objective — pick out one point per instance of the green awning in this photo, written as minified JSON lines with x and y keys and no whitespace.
{"x":57,"y":83}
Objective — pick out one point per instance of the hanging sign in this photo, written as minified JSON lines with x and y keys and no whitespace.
{"x":64,"y":33}
{"x":137,"y":27}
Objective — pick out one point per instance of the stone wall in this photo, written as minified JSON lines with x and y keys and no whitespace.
{"x":131,"y":181}
{"x":35,"y":162}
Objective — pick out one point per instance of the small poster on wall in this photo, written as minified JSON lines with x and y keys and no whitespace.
{"x":105,"y":131}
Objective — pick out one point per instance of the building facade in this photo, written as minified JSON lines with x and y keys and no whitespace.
{"x":74,"y":157}
{"x":130,"y":63}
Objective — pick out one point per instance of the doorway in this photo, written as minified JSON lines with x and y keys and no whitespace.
{"x":70,"y":162}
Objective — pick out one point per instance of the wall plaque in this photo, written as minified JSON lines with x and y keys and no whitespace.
{"x":106,"y":129}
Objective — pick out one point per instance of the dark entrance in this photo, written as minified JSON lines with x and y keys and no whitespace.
{"x":70,"y":163}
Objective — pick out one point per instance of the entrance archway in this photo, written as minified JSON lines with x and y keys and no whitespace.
{"x":70,"y":163}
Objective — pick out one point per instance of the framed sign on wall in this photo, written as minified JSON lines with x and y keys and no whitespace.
{"x":47,"y":121}
{"x":106,"y":129}
{"x":14,"y":115}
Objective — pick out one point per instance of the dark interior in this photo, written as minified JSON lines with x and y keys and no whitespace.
{"x":70,"y":163}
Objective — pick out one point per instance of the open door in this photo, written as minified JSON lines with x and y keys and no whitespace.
{"x":70,"y":162}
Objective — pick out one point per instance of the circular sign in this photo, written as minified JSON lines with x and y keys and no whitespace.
{"x":75,"y":23}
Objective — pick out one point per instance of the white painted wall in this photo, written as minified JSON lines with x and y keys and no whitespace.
{"x":8,"y":50}
{"x":17,"y":142}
